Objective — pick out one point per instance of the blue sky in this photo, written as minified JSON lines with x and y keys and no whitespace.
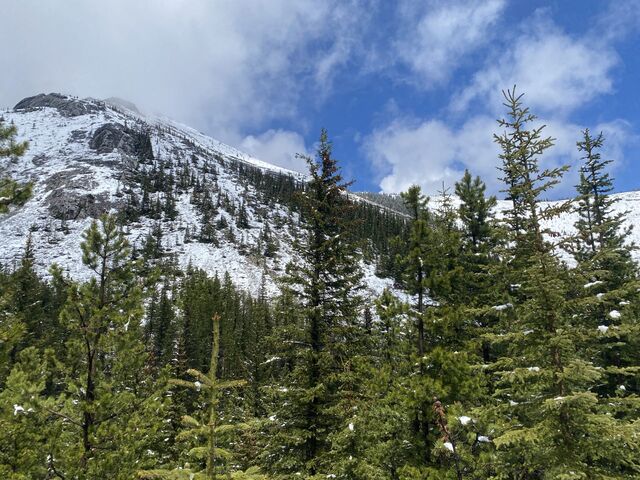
{"x":409,"y":90}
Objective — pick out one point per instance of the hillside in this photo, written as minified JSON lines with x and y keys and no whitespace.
{"x":209,"y":204}
{"x":178,"y":190}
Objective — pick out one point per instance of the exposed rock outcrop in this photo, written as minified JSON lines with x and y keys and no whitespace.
{"x":67,"y":106}
{"x":67,"y":200}
{"x":113,"y":136}
{"x":69,"y":205}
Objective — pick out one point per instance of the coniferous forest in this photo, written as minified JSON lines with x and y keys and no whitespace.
{"x":500,"y":360}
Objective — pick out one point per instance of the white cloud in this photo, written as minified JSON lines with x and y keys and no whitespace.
{"x":436,"y":39}
{"x":351,"y":21}
{"x":620,"y":19}
{"x":431,"y":152}
{"x":558,"y":73}
{"x":415,"y":153}
{"x":224,"y":67}
{"x":278,"y":147}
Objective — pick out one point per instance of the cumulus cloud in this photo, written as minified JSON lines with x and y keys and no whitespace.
{"x":414,"y":153}
{"x":222,"y":66}
{"x":558,"y":72}
{"x":437,"y":36}
{"x":278,"y":147}
{"x":430,"y":153}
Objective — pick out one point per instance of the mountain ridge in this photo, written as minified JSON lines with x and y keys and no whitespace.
{"x":90,"y":156}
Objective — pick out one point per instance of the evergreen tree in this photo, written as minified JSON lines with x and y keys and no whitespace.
{"x":546,"y":418}
{"x":210,"y":429}
{"x":475,"y":212}
{"x":23,"y":428}
{"x":326,"y":284}
{"x":11,"y":192}
{"x":152,"y":247}
{"x":103,"y":417}
{"x":416,"y":269}
{"x":170,"y":210}
{"x":607,"y":283}
{"x":207,"y":229}
{"x":601,"y":235}
{"x":160,"y":329}
{"x":243,"y":217}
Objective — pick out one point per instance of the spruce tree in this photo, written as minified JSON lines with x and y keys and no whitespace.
{"x":160,"y":328}
{"x":326,"y":283}
{"x":546,"y":419}
{"x":601,"y":232}
{"x":416,"y":269}
{"x":475,"y":212}
{"x":607,"y":284}
{"x":207,"y":429}
{"x":482,"y":280}
{"x":444,"y":370}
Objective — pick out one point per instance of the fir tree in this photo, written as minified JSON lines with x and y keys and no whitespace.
{"x":160,"y":329}
{"x":416,"y":269}
{"x":475,"y":211}
{"x":209,"y":430}
{"x":170,"y":210}
{"x":601,"y":235}
{"x":152,"y":247}
{"x":607,"y":282}
{"x":243,"y":217}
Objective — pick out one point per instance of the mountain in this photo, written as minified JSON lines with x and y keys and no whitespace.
{"x":178,"y":192}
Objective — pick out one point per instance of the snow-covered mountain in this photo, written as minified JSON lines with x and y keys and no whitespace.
{"x":90,"y":156}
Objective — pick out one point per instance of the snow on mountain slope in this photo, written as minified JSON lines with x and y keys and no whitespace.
{"x":80,"y":157}
{"x":86,"y":156}
{"x":563,"y":225}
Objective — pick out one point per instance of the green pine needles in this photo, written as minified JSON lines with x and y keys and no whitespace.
{"x":12,"y":193}
{"x":502,"y":352}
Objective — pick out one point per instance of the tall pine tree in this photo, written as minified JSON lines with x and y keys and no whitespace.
{"x":104,"y":412}
{"x":326,"y":286}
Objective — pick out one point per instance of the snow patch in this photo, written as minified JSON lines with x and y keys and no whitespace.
{"x":500,"y":308}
